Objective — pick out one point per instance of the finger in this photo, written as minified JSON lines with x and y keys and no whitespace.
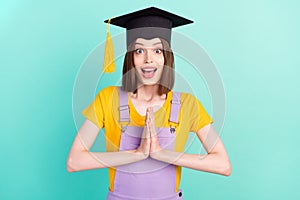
{"x":150,"y":114}
{"x":152,"y":122}
{"x":153,"y":131}
{"x":148,"y":133}
{"x":147,"y":118}
{"x":147,"y":127}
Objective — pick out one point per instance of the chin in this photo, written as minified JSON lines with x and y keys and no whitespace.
{"x":148,"y":83}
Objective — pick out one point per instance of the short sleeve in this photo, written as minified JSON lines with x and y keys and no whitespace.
{"x":94,"y":112}
{"x":199,"y":116}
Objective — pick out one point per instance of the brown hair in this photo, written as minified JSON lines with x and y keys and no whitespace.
{"x":166,"y":83}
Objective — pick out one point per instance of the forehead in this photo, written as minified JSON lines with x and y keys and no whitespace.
{"x":145,"y":42}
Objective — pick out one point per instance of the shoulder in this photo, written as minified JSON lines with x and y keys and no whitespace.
{"x":187,"y":98}
{"x":108,"y":91}
{"x":106,"y":95}
{"x":190,"y":102}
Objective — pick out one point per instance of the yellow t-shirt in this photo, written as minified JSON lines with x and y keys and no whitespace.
{"x":104,"y":113}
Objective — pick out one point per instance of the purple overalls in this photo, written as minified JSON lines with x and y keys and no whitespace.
{"x":149,"y":178}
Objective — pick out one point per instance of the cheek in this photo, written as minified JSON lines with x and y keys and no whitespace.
{"x":161,"y":60}
{"x":137,"y":60}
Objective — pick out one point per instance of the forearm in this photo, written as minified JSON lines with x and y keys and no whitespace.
{"x":86,"y":160}
{"x":213,"y":162}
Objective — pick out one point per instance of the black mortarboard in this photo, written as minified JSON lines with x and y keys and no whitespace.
{"x":146,"y":23}
{"x":149,"y":23}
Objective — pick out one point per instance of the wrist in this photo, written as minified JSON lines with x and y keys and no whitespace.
{"x":140,"y":155}
{"x":157,"y":154}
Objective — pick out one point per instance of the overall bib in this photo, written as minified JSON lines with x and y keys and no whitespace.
{"x":149,"y":178}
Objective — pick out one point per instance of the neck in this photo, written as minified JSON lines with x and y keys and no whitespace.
{"x":147,"y":92}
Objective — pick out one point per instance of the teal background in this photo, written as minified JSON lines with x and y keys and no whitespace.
{"x":254,"y":44}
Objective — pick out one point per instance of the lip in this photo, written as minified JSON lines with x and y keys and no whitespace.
{"x":148,"y":69}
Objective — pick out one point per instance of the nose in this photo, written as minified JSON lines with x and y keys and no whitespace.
{"x":148,"y":56}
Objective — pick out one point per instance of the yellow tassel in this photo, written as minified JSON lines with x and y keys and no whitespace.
{"x":108,"y":63}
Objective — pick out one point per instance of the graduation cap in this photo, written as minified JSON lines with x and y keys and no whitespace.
{"x":146,"y":23}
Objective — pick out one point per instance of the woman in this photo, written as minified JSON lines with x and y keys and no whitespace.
{"x":146,"y":123}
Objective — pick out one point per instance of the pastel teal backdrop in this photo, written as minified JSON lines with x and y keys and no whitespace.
{"x":253,"y":44}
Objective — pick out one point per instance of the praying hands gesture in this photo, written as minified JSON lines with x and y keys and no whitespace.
{"x":149,"y":141}
{"x":216,"y":161}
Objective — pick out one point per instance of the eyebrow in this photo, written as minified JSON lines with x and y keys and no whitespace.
{"x":152,"y":44}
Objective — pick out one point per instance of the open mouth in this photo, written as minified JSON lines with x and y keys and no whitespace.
{"x":148,"y":72}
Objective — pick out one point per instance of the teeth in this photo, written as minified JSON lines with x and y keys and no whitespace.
{"x":149,"y":70}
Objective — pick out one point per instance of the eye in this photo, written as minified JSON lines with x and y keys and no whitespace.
{"x":139,"y":51}
{"x":158,"y":51}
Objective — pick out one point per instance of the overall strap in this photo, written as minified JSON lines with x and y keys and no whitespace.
{"x":175,"y":108}
{"x":123,"y":106}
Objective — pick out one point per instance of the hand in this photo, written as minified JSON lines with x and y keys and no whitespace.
{"x":155,"y":148}
{"x":144,"y":148}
